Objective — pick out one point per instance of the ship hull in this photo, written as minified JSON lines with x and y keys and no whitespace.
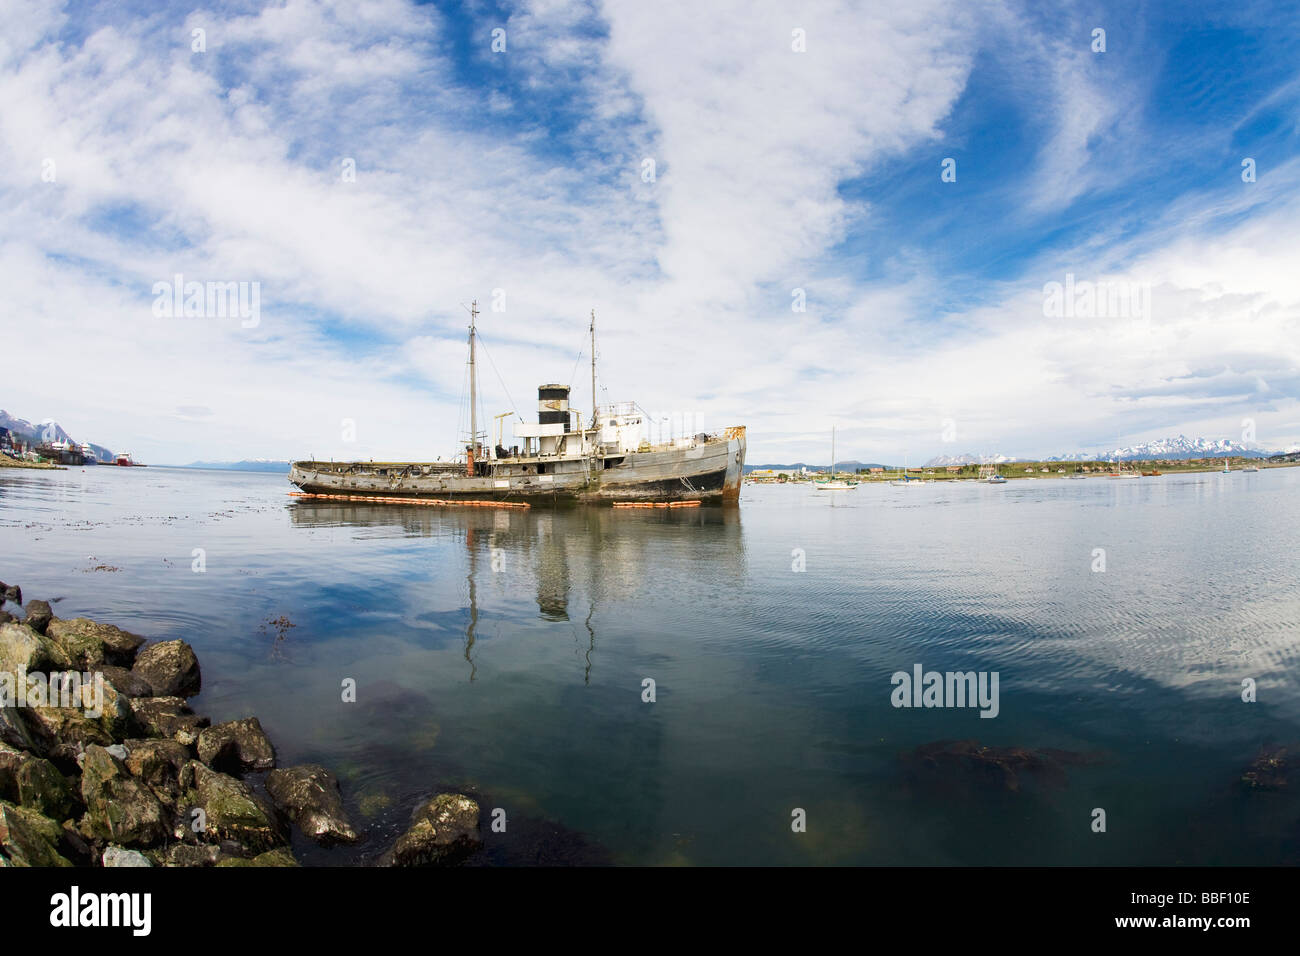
{"x":708,"y":472}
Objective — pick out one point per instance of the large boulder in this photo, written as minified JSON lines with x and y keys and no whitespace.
{"x":126,"y":681}
{"x":34,"y":783}
{"x":158,"y":763}
{"x":236,"y":746}
{"x":171,"y":669}
{"x":15,"y":732}
{"x":65,"y":732}
{"x":309,"y":796}
{"x":38,"y":616}
{"x":23,"y":650}
{"x":28,"y":839}
{"x":444,"y":830}
{"x":89,"y":643}
{"x":12,"y":592}
{"x":167,"y":717}
{"x":119,"y":807}
{"x":231,"y":810}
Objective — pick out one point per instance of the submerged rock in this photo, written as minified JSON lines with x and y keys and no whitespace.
{"x":167,"y":717}
{"x":444,"y":830}
{"x":89,"y":644}
{"x":970,"y":762}
{"x":309,"y":795}
{"x":171,"y":669}
{"x":231,"y":810}
{"x":119,"y":807}
{"x":119,"y":856}
{"x":1271,"y":770}
{"x":38,"y":616}
{"x":28,"y":839}
{"x":236,"y":746}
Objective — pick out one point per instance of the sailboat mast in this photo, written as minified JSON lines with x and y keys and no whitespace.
{"x":832,"y":453}
{"x":473,"y":387}
{"x":593,"y":368}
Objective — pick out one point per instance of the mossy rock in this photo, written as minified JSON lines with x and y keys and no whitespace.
{"x":28,"y":838}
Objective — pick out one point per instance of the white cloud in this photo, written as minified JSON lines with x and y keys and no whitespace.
{"x":232,"y":160}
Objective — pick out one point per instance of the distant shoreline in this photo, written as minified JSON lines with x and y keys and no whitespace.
{"x":1018,"y":471}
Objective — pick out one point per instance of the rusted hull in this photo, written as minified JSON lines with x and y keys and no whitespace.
{"x":710,"y":472}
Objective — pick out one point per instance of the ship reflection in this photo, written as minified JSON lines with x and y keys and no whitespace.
{"x":591,"y":557}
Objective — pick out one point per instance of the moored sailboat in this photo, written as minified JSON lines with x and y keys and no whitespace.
{"x":832,"y":483}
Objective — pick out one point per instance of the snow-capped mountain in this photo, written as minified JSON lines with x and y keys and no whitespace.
{"x":969,"y":459}
{"x":1175,"y":448}
{"x":46,"y":430}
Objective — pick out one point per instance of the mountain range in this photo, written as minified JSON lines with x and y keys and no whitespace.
{"x":1179,"y":448}
{"x":248,"y":464}
{"x":46,"y":430}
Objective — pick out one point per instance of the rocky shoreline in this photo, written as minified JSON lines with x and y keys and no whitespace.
{"x":103,"y":763}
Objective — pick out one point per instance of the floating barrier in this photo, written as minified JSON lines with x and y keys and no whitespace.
{"x":437,"y":502}
{"x":695,"y":503}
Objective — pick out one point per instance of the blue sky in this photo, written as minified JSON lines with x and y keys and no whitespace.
{"x":516,"y":177}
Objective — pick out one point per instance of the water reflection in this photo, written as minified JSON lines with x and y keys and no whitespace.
{"x":585,"y":554}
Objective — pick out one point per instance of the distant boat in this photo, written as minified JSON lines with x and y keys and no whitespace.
{"x":126,"y":461}
{"x":1122,"y":471}
{"x":905,"y":480}
{"x":832,"y":484}
{"x":1251,"y":468}
{"x":989,"y":473}
{"x":1150,"y":474}
{"x":1226,"y":468}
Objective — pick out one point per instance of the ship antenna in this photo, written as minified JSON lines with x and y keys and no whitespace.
{"x":593,"y":368}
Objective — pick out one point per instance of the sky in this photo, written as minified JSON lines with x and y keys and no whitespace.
{"x":940,"y":228}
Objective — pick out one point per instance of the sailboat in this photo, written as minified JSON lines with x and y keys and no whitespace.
{"x":1251,"y":468}
{"x":905,"y":480}
{"x":989,"y":473}
{"x":832,"y":484}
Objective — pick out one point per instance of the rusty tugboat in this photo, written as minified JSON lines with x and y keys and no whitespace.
{"x":608,"y":460}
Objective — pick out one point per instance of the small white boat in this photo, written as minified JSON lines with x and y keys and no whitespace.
{"x":989,"y":474}
{"x":833,"y":484}
{"x":1251,"y":468}
{"x":905,"y":481}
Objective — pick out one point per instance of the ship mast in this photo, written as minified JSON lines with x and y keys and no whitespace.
{"x":593,"y":368}
{"x":473,"y":389}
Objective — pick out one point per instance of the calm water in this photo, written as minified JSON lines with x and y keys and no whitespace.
{"x":504,"y":652}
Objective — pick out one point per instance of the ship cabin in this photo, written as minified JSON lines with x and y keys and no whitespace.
{"x":558,"y":442}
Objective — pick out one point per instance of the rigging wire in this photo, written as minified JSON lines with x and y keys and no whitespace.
{"x":498,"y":375}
